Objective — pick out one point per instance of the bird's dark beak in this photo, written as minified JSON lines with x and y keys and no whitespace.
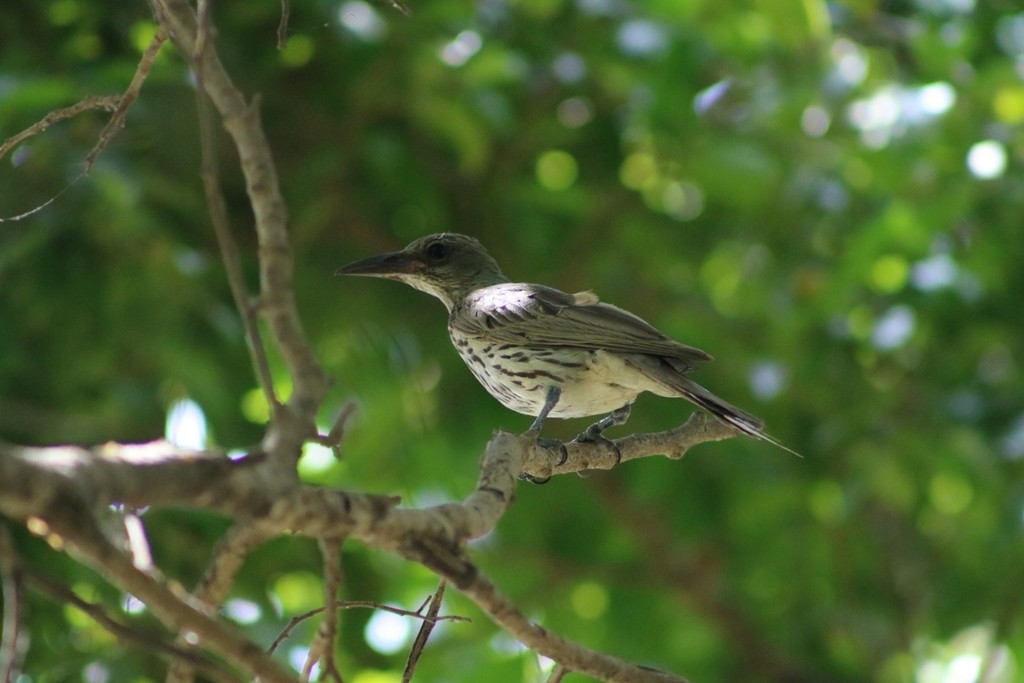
{"x":383,"y":265}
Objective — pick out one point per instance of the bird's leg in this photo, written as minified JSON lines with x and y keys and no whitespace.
{"x":549,"y":404}
{"x":617,"y":417}
{"x":550,"y":401}
{"x":595,"y":431}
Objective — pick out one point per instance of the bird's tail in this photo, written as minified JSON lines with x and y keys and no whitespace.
{"x":720,"y":408}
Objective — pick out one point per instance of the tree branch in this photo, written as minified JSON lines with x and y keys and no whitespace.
{"x":430,"y":620}
{"x":69,"y":521}
{"x":58,"y":491}
{"x":277,"y":302}
{"x":229,"y":250}
{"x":576,"y":657}
{"x":59,"y":486}
{"x":107,"y":102}
{"x":576,"y":456}
{"x":126,"y":632}
{"x":12,"y":643}
{"x":129,"y":96}
{"x":213,"y":588}
{"x":322,"y":648}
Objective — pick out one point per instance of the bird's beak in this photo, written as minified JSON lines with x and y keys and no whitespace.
{"x":392,"y":264}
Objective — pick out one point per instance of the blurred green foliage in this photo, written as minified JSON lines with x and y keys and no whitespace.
{"x":826,"y":196}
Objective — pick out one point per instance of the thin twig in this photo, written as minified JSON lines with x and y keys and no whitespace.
{"x":558,"y":673}
{"x":322,"y":648}
{"x":426,"y":628}
{"x":12,"y":644}
{"x":202,"y":28}
{"x":333,"y":438}
{"x":357,"y":604}
{"x":138,"y":544}
{"x":127,"y":632}
{"x":106,"y":102}
{"x":129,"y":96}
{"x":212,"y":589}
{"x":563,"y":651}
{"x":282,"y":27}
{"x":401,"y":7}
{"x":228,"y":557}
{"x":39,"y":207}
{"x":72,"y":520}
{"x":229,"y":250}
{"x":277,"y":302}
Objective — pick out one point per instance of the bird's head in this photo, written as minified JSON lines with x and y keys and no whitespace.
{"x":447,"y":265}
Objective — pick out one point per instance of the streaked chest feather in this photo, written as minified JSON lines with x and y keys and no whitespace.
{"x":592,"y":382}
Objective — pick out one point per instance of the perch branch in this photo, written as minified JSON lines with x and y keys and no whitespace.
{"x":59,"y":486}
{"x":673,"y":443}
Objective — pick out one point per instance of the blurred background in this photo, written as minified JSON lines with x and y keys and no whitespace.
{"x":826,"y":196}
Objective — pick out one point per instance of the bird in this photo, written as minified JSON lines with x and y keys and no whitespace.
{"x":547,"y":353}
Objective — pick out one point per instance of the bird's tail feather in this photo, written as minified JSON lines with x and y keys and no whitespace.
{"x":722,"y":409}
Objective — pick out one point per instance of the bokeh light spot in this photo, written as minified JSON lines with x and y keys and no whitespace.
{"x":986,"y":159}
{"x":682,"y":200}
{"x":894,"y":328}
{"x":255,"y":408}
{"x":642,"y":38}
{"x":589,"y":600}
{"x":387,"y":632}
{"x":557,"y":170}
{"x":298,"y":50}
{"x":461,"y":48}
{"x":637,"y":170}
{"x":1008,"y":104}
{"x":827,"y":502}
{"x":186,"y":425}
{"x":815,"y":121}
{"x":361,"y":20}
{"x":298,"y":592}
{"x":950,"y":494}
{"x":569,"y":67}
{"x":242,"y":611}
{"x":935,"y":272}
{"x":574,"y":112}
{"x":889,"y":274}
{"x":142,"y":33}
{"x":767,"y":379}
{"x":374,"y":676}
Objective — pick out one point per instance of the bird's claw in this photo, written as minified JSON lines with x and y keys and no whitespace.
{"x":593,"y":435}
{"x":548,"y":445}
{"x":554,"y":444}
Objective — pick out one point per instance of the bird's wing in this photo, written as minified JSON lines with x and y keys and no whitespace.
{"x":534,"y":315}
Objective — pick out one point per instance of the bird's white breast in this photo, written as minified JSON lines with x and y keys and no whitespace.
{"x":591,"y":382}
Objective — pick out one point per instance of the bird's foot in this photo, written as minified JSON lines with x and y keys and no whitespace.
{"x":593,"y":434}
{"x":554,"y":445}
{"x":548,"y":445}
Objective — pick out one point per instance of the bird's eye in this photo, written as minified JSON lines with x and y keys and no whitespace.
{"x":437,"y":251}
